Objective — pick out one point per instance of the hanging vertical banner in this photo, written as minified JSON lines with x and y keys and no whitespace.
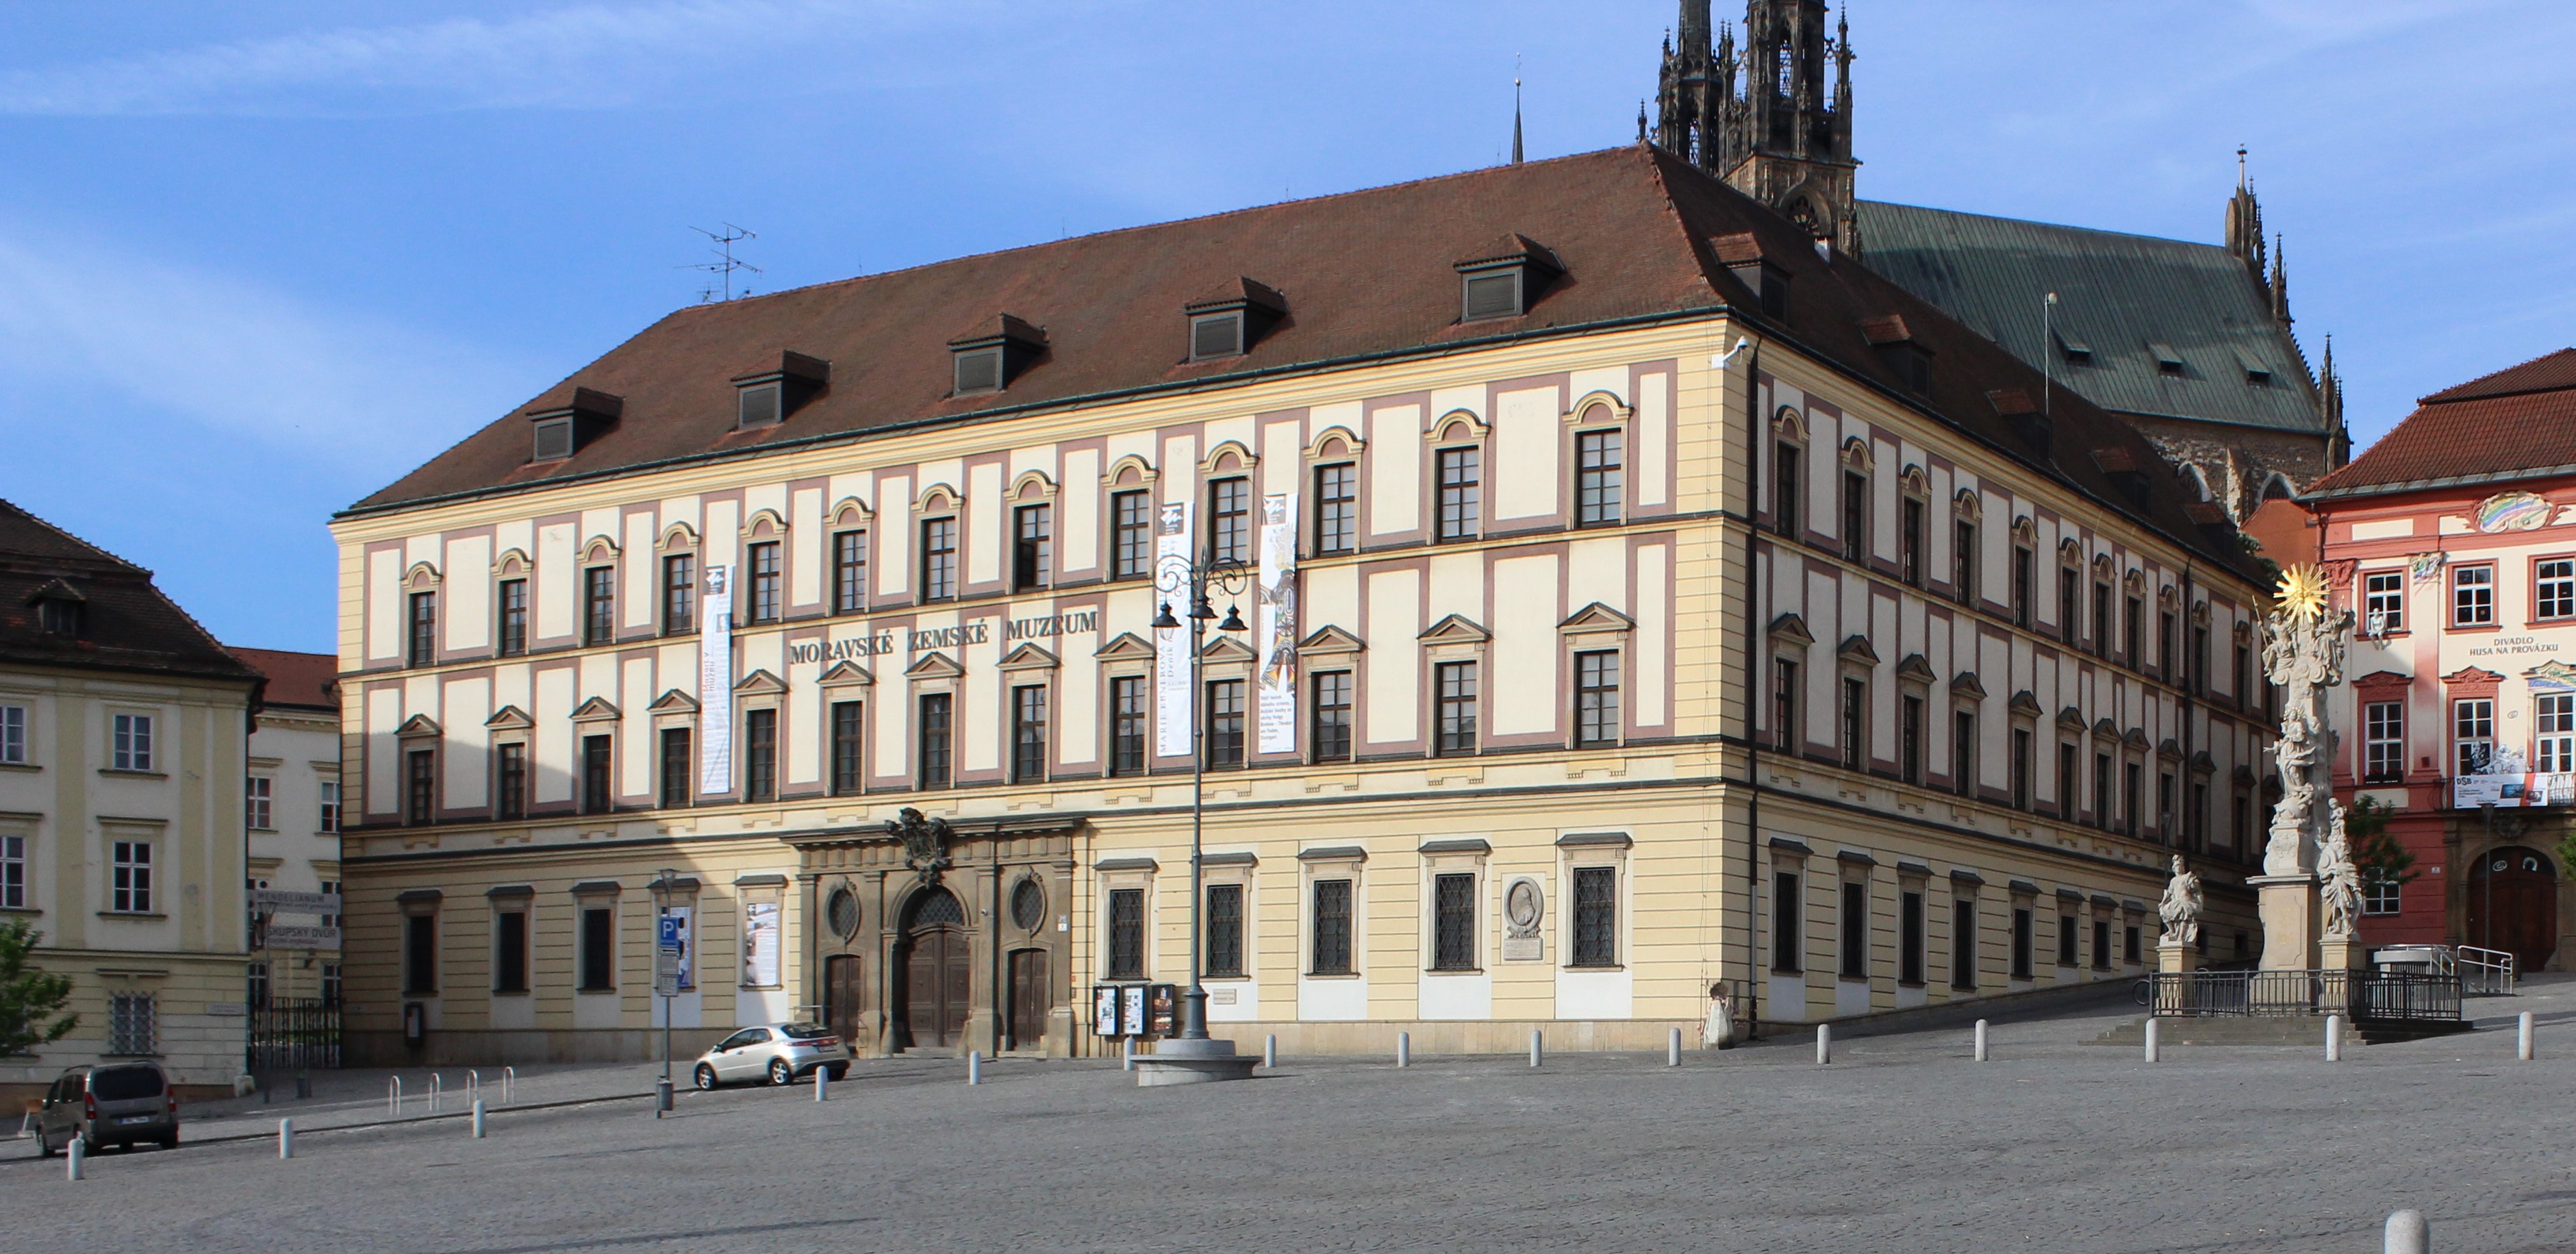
{"x":760,"y":944}
{"x":1172,"y":644}
{"x":1278,"y":626}
{"x":715,"y":682}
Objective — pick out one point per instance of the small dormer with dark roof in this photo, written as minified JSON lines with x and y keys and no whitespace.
{"x":1896,"y":345}
{"x":566,"y":428}
{"x":993,"y":353}
{"x":60,"y":608}
{"x":1506,"y":278}
{"x":772,"y":394}
{"x":1741,"y":254}
{"x":1229,"y":320}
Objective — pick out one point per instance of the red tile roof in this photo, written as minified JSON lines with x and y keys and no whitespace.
{"x":2517,"y":421}
{"x":1640,"y":236}
{"x":126,"y":624}
{"x":302,"y":680}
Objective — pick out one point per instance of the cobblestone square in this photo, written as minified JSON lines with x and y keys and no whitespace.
{"x":1903,"y":1143}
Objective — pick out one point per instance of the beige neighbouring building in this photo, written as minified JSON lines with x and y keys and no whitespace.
{"x":123,"y":730}
{"x":291,"y":805}
{"x":1588,"y":716}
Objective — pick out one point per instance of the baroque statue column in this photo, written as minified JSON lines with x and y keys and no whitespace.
{"x":2303,"y":655}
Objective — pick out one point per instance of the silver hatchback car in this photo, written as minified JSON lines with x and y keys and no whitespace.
{"x":781,"y":1053}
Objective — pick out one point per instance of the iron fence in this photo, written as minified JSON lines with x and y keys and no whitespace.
{"x":294,"y":1035}
{"x":2363,"y":995}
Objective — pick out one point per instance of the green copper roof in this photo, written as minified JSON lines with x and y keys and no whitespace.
{"x":2129,"y":307}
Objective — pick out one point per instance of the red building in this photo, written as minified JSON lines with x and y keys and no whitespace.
{"x":2453,"y":540}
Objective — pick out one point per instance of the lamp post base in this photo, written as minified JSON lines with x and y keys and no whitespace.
{"x":1194,"y":1014}
{"x":1186,"y":1061}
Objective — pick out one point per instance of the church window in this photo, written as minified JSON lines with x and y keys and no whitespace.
{"x":1786,"y":67}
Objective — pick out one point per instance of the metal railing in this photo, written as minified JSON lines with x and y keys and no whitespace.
{"x":2364,"y":995}
{"x":294,"y":1035}
{"x":2484,"y":972}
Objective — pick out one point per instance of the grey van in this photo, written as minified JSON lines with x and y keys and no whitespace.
{"x":126,"y":1103}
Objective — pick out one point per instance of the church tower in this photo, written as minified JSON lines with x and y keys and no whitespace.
{"x":1786,"y":138}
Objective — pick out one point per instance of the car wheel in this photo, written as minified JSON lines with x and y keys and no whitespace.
{"x":705,"y":1078}
{"x":780,"y":1072}
{"x":44,"y":1147}
{"x":170,"y":1142}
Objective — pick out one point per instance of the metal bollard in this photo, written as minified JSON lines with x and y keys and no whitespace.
{"x":1982,"y":1055}
{"x":437,"y":1089}
{"x":507,"y":1075}
{"x":661,"y":1098}
{"x":1673,"y":1048}
{"x":286,"y":1138}
{"x":974,"y":1066}
{"x":2524,"y":1047}
{"x":75,"y":1158}
{"x":478,"y":1119}
{"x":1824,"y":1044}
{"x":1538,"y":1047}
{"x":2151,"y":1038}
{"x":1127,"y":1045}
{"x":822,"y":1077}
{"x":1270,"y":1051}
{"x":2334,"y":1038}
{"x":2407,"y":1233}
{"x":393,"y":1098}
{"x":1404,"y":1049}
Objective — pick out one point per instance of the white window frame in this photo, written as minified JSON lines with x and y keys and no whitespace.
{"x":13,"y":871}
{"x":2553,"y":588}
{"x":2383,"y":601}
{"x":259,"y":803}
{"x":130,"y":742}
{"x":2553,"y":733}
{"x":329,"y":804}
{"x":2381,"y":895}
{"x":2383,"y":739}
{"x":130,"y":877}
{"x":2473,"y":588}
{"x":13,"y":735}
{"x":2472,"y":726}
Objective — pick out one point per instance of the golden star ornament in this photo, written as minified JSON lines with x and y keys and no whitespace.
{"x":2302,"y":593}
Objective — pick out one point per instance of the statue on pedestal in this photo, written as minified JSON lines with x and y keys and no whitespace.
{"x":2180,"y":908}
{"x":2339,"y":882}
{"x":2304,"y":655}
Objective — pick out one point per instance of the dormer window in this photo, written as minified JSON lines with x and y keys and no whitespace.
{"x":565,"y":429}
{"x":1506,"y":279}
{"x":58,"y":608}
{"x":2074,"y":350}
{"x":1908,"y":358}
{"x":2256,"y":373}
{"x":1741,"y":254}
{"x":767,"y":397}
{"x":995,"y":352}
{"x":2168,"y":362}
{"x":1227,"y":322}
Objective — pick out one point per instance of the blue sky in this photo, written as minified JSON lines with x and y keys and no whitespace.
{"x":256,"y":260}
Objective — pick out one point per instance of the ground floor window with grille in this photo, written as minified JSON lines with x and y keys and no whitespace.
{"x":1596,"y":916}
{"x":256,"y":993}
{"x":331,"y":985}
{"x":1332,"y":947}
{"x":420,"y":953}
{"x":1127,"y":934}
{"x":598,"y":949}
{"x":1855,"y":964}
{"x":133,"y":1023}
{"x":1453,"y":925}
{"x":1787,"y":954}
{"x":2129,"y":946}
{"x":1963,"y":943}
{"x":2381,"y":893}
{"x":1225,"y":930}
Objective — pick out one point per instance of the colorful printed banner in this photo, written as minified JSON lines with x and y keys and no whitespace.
{"x":715,"y":682}
{"x":1277,"y":631}
{"x":1172,"y":644}
{"x":760,"y":944}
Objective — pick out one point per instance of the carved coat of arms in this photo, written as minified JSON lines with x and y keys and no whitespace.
{"x":925,"y":843}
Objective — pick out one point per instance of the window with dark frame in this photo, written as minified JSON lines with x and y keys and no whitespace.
{"x":2165,"y":807}
{"x":1788,"y":471}
{"x":2244,"y":676}
{"x":1337,"y":508}
{"x":2025,"y":583}
{"x":1596,"y":916}
{"x":1127,"y":725}
{"x":2101,"y":619}
{"x":1788,"y":944}
{"x":130,"y":879}
{"x":2069,"y":789}
{"x":1331,"y":734}
{"x":1131,"y":535}
{"x":2102,"y":797}
{"x":1331,"y":951}
{"x":510,"y":951}
{"x":1028,"y":734}
{"x":598,"y":792}
{"x":1855,"y":535}
{"x":1909,"y":937}
{"x":510,"y":791}
{"x":2133,"y":632}
{"x":936,"y":708}
{"x":760,"y":755}
{"x":423,"y":649}
{"x":1963,"y":943}
{"x":2165,"y":647}
{"x":1963,"y":562}
{"x":2101,"y":944}
{"x":1032,"y":547}
{"x":849,"y":736}
{"x":1784,"y":706}
{"x":2020,"y":768}
{"x":420,"y":787}
{"x":1126,"y":933}
{"x":2473,"y":596}
{"x":598,"y":948}
{"x":1224,"y":931}
{"x":938,"y":559}
{"x":2021,"y":943}
{"x":1855,"y":729}
{"x":1909,"y":739}
{"x":679,"y":594}
{"x":420,"y":954}
{"x":2131,"y":947}
{"x":849,"y":571}
{"x":1456,"y":728}
{"x":1229,"y":534}
{"x":1963,"y":753}
{"x":599,"y":605}
{"x":2383,"y":741}
{"x":2066,"y":940}
{"x":2070,"y":610}
{"x":1596,"y":699}
{"x":768,"y":599}
{"x":514,"y":617}
{"x":2131,"y":812}
{"x":1461,"y":504}
{"x":1225,"y":716}
{"x":2554,"y":588}
{"x":1855,"y":931}
{"x":1453,"y":928}
{"x":1599,"y":485}
{"x":1909,"y":541}
{"x":677,"y":767}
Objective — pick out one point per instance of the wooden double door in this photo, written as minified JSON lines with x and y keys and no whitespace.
{"x":2513,"y":905}
{"x":935,"y":962}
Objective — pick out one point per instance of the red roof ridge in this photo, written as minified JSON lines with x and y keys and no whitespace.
{"x":2552,"y":371}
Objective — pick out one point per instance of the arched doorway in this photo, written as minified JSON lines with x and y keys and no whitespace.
{"x":2513,"y":904}
{"x":932,"y":962}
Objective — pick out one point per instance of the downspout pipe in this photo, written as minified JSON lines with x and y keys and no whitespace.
{"x":1752,"y":684}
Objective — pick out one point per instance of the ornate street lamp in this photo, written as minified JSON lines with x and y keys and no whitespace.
{"x":1231,"y":577}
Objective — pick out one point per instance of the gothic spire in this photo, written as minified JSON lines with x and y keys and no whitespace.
{"x":2280,"y":284}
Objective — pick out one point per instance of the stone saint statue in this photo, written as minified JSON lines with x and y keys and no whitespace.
{"x":2303,"y":653}
{"x":2338,"y":881}
{"x":2180,"y":908}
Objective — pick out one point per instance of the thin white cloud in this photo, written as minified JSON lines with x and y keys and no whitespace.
{"x":234,"y":357}
{"x":584,"y":56}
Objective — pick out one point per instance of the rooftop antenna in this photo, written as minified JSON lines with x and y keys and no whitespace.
{"x":724,"y":241}
{"x":1516,"y":108}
